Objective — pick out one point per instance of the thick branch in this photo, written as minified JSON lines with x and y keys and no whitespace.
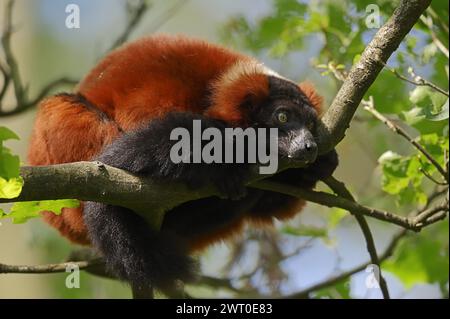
{"x":94,"y":181}
{"x":337,"y":118}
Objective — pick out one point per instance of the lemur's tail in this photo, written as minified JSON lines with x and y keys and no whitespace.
{"x":135,"y":253}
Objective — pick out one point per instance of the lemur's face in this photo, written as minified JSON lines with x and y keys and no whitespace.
{"x":291,"y":112}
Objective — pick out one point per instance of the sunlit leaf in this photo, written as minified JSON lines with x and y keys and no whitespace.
{"x":23,"y":211}
{"x":336,"y":215}
{"x":7,"y":134}
{"x":10,"y":188}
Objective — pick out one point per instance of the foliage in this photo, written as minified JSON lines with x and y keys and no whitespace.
{"x":337,"y":31}
{"x":406,"y":174}
{"x":10,"y":181}
{"x":423,"y":259}
{"x":11,"y":186}
{"x":23,"y":211}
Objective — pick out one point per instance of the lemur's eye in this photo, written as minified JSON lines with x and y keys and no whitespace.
{"x":282,"y":117}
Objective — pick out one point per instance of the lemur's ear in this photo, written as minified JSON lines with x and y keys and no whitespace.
{"x":310,"y":92}
{"x":234,"y":98}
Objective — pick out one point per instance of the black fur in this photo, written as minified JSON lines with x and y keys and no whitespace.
{"x":144,"y":257}
{"x":132,"y":250}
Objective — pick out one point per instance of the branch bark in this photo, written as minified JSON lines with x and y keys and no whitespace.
{"x":94,"y":181}
{"x":338,"y":117}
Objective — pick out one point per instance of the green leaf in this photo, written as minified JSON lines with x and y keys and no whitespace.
{"x":421,"y":259}
{"x":9,"y":164}
{"x":356,"y":58}
{"x":387,"y":87}
{"x":411,"y":43}
{"x":402,"y":177}
{"x":435,"y":145}
{"x":10,"y":188}
{"x":419,"y":95}
{"x":394,"y":168}
{"x":337,"y":214}
{"x":23,"y":211}
{"x":429,"y":51}
{"x":305,"y":231}
{"x":7,"y":134}
{"x":429,"y":111}
{"x":413,"y":116}
{"x":440,"y":115}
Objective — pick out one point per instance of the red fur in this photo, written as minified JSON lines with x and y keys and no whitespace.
{"x":66,"y":131}
{"x":201,"y":242}
{"x":311,"y":93}
{"x":162,"y":74}
{"x":249,"y":88}
{"x":132,"y":85}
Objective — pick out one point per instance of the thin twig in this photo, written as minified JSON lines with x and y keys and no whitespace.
{"x":19,"y":108}
{"x":338,"y":278}
{"x":431,"y":178}
{"x":136,"y":14}
{"x":443,"y":24}
{"x":369,"y":106}
{"x":425,"y":216}
{"x":6,"y":82}
{"x":330,"y":200}
{"x":338,"y":116}
{"x":11,"y":73}
{"x":340,"y":189}
{"x":417,"y":80}
{"x":48,"y":268}
{"x":14,"y":74}
{"x":428,"y":21}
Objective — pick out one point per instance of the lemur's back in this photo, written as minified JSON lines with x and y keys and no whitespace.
{"x":164,"y":73}
{"x":129,"y":87}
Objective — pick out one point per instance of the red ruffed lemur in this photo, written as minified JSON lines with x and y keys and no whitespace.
{"x":122,"y":114}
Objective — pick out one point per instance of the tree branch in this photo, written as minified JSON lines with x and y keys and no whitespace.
{"x":94,"y":181}
{"x":136,"y":13}
{"x":47,"y":269}
{"x":417,"y":80}
{"x":11,"y":73}
{"x":338,"y":117}
{"x":338,"y":278}
{"x":340,"y":189}
{"x":369,"y":106}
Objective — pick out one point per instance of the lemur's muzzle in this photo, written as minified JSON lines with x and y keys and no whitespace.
{"x":303,"y":147}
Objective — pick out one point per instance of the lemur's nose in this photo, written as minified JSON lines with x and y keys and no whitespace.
{"x":303,"y":147}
